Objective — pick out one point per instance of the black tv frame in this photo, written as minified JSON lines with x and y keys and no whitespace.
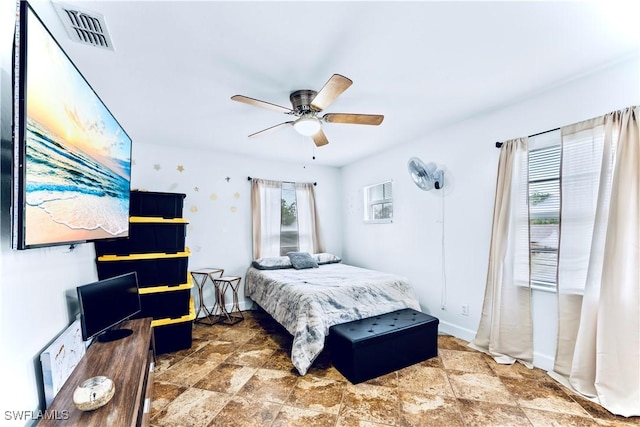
{"x":106,"y":332}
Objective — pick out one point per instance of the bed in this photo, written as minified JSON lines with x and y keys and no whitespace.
{"x":308,"y":301}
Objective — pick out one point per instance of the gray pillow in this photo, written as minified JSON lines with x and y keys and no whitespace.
{"x":272,"y":263}
{"x":302,"y":260}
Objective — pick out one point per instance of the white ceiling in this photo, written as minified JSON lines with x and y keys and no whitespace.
{"x":423,"y":65}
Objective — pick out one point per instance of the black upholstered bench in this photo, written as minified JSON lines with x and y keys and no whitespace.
{"x":367,"y":348}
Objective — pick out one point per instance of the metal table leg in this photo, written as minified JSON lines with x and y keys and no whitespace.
{"x":235,"y":315}
{"x":200,"y":278}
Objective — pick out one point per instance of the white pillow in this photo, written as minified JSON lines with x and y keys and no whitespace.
{"x":326,"y":258}
{"x":272,"y":263}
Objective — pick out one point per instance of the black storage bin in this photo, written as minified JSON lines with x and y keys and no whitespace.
{"x":368,"y":348}
{"x":154,"y":270}
{"x":173,"y":337}
{"x":165,"y":301}
{"x":156,"y":204}
{"x":174,"y":334}
{"x":147,"y":236}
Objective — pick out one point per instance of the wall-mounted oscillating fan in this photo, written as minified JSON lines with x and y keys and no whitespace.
{"x":427,"y":176}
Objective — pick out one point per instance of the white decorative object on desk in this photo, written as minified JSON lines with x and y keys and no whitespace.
{"x":60,"y":359}
{"x":93,"y":393}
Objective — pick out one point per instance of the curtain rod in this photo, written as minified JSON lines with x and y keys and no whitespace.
{"x":249,"y":179}
{"x":499,"y":144}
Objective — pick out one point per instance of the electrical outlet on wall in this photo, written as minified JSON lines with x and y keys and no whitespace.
{"x":464,"y":309}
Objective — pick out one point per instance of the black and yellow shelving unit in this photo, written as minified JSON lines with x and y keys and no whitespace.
{"x":156,"y":251}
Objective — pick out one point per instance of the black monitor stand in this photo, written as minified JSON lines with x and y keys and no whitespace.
{"x":114,"y":334}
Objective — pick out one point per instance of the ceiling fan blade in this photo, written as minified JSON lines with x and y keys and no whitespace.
{"x":320,"y":138}
{"x":354,"y":119}
{"x":263,"y":104}
{"x":271,"y":129}
{"x":330,"y":91}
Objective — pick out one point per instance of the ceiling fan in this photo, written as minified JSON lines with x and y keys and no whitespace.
{"x":306,"y":106}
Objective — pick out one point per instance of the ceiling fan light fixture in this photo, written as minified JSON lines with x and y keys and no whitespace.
{"x":307,"y":126}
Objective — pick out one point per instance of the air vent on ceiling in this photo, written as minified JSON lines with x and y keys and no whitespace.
{"x":84,"y":26}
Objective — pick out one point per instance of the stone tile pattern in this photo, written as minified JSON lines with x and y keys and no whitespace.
{"x":242,"y":375}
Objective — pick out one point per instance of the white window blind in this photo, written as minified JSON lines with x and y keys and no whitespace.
{"x":544,"y":208}
{"x":564,"y":181}
{"x":582,"y":162}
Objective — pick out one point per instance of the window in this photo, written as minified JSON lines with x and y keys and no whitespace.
{"x":544,"y":208}
{"x":284,"y":218}
{"x":563,"y":187}
{"x":378,"y":203}
{"x":288,"y":219}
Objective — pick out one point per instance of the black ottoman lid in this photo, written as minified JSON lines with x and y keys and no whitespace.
{"x":394,"y":322}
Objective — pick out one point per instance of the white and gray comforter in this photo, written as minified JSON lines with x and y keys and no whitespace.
{"x":307,"y":302}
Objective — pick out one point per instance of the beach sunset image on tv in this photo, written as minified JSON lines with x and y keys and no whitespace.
{"x":77,"y":157}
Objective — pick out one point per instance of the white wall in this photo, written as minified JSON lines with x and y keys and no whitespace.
{"x":219,"y":212}
{"x":411,"y":245}
{"x":34,"y":284}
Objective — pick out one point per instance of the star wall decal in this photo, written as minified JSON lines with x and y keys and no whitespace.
{"x":180,"y":168}
{"x":156,"y":166}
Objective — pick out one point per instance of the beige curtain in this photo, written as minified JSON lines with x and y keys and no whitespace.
{"x":266,"y":211}
{"x":505,"y":330}
{"x":598,"y":349}
{"x":309,"y":235}
{"x":266,"y":199}
{"x":585,"y":174}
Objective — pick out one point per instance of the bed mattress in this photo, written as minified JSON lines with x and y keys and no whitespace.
{"x":308,"y":302}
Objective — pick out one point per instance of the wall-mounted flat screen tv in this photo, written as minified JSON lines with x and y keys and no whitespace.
{"x":71,"y":157}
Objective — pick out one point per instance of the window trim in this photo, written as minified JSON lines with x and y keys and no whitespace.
{"x":368,"y":204}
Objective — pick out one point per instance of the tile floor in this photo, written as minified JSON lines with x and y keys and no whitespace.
{"x":241,"y":375}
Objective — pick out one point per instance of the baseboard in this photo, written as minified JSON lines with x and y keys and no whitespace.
{"x":457,"y":331}
{"x":543,"y":361}
{"x":244,"y":306}
{"x":540,"y":360}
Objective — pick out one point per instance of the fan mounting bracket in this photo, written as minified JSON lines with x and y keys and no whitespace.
{"x":301,"y":101}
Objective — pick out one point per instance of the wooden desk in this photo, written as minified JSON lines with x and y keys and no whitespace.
{"x":129,"y":363}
